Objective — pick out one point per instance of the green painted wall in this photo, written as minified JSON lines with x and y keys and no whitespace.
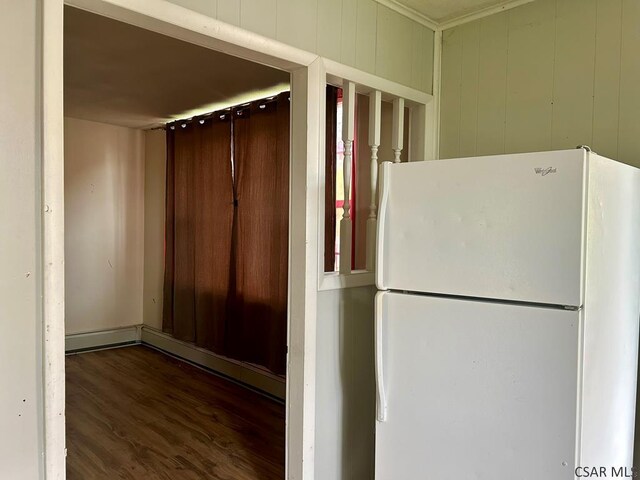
{"x":359,"y":33}
{"x":548,"y":75}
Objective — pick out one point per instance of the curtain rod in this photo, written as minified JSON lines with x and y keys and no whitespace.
{"x":228,"y":110}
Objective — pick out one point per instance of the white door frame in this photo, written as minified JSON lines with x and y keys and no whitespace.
{"x":307,"y":91}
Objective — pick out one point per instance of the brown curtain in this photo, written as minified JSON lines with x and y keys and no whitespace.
{"x":199,"y":217}
{"x":258,"y":303}
{"x":330,"y":180}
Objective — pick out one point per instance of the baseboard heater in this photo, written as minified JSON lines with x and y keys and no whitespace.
{"x":249,"y":375}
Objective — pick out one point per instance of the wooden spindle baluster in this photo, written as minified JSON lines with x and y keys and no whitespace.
{"x":348,"y":127}
{"x":375,"y":115}
{"x":397,"y":135}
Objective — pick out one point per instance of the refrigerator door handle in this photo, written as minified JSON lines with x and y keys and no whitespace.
{"x":381,"y":398}
{"x":382,"y":214}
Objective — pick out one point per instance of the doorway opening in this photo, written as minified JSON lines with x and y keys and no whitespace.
{"x":176,"y":249}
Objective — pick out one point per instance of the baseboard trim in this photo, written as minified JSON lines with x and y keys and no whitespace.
{"x":241,"y":372}
{"x":102,"y":339}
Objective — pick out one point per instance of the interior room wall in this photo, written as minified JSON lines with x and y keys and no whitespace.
{"x":21,"y":421}
{"x":360,"y":33}
{"x":104,"y":225}
{"x":345,"y":385}
{"x":154,"y":213}
{"x":548,"y":75}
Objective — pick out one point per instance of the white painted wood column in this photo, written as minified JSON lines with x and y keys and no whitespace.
{"x":375,"y":115}
{"x":397,"y":134}
{"x":307,"y":112}
{"x":348,"y":131}
{"x":52,"y":248}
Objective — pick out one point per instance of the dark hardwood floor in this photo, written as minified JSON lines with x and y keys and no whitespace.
{"x":135,"y":413}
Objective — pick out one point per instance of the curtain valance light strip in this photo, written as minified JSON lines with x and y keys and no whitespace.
{"x":226,"y":113}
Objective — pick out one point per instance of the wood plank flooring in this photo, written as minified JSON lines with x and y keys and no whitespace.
{"x":134,"y":413}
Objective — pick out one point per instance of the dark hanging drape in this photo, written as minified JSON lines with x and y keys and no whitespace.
{"x":258,"y":303}
{"x":330,"y":180}
{"x":227,"y":232}
{"x":199,"y":216}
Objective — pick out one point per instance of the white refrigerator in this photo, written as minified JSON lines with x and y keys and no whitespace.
{"x":507,"y":317}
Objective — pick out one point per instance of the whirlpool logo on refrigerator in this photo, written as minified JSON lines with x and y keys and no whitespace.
{"x":545,"y":171}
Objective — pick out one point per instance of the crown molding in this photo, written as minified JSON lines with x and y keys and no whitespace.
{"x":484,"y":12}
{"x":432,"y":24}
{"x":410,"y":13}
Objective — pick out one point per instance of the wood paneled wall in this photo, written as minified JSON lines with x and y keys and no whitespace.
{"x":551,"y":74}
{"x":359,"y":33}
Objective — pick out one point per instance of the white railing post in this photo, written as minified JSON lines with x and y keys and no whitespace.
{"x":375,"y":115}
{"x":348,"y":127}
{"x":397,"y":135}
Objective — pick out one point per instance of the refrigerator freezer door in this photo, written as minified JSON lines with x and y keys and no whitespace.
{"x":475,"y":390}
{"x":505,"y":227}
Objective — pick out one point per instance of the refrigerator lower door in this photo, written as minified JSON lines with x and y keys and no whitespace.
{"x":474,"y":390}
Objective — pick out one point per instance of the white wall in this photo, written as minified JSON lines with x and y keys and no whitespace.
{"x":104,"y":225}
{"x":21,"y":429}
{"x":345,"y":385}
{"x":360,"y":33}
{"x":154,"y":216}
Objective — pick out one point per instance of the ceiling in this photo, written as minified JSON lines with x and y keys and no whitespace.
{"x":441,"y":11}
{"x":124,"y":75}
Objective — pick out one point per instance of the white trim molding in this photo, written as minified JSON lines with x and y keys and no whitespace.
{"x":410,"y":13}
{"x":178,"y":22}
{"x":307,"y":80}
{"x":454,"y":21}
{"x":102,"y":339}
{"x":365,"y":82}
{"x":308,"y":86}
{"x":235,"y":370}
{"x":478,"y":14}
{"x":51,"y":275}
{"x":337,"y":281}
{"x":434,"y":128}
